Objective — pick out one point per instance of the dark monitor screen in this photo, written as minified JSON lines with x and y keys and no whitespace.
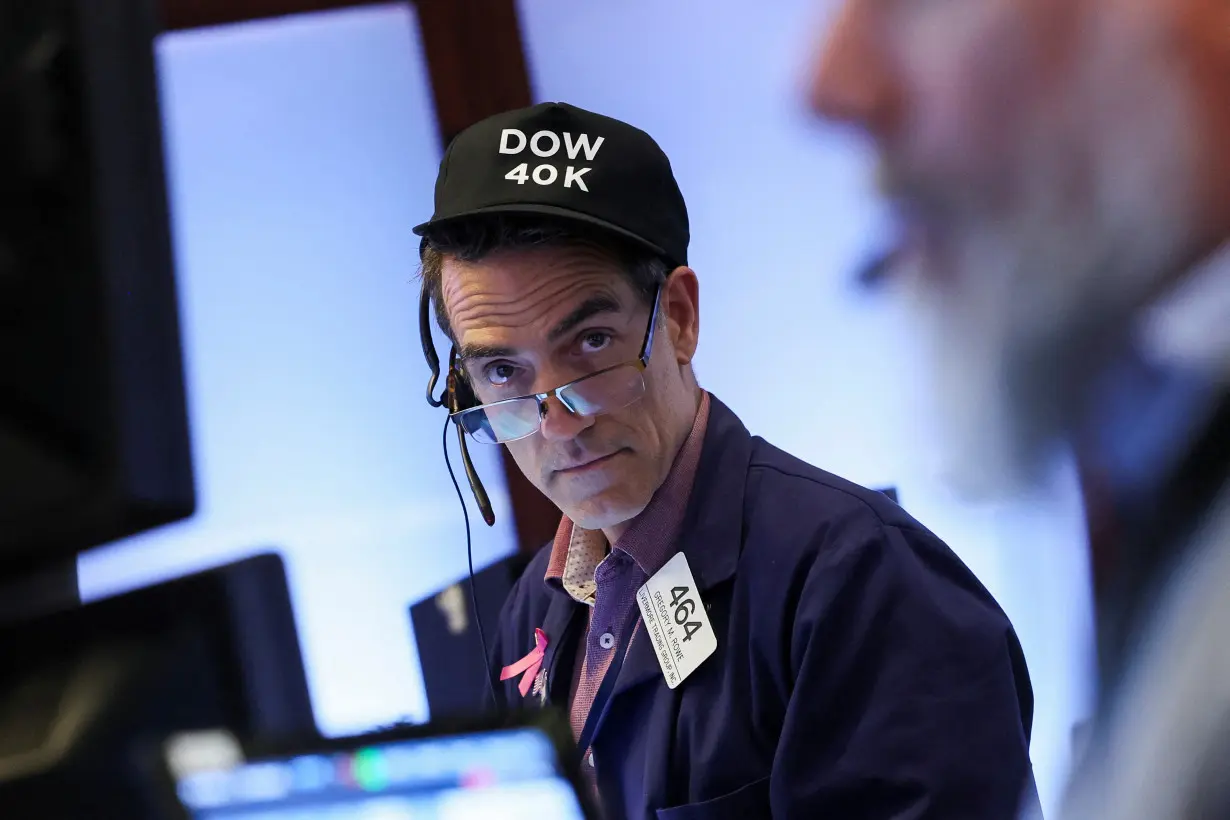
{"x":93,"y":430}
{"x":446,"y":633}
{"x":87,"y":696}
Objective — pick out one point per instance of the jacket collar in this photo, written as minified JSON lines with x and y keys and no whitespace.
{"x":713,"y":524}
{"x":711,"y":537}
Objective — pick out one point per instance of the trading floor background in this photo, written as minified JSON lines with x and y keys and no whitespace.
{"x":302,"y":149}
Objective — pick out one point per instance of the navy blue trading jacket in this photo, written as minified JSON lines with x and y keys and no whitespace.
{"x":861,"y":671}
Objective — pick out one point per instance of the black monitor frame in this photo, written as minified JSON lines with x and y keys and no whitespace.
{"x":87,"y":694}
{"x":94,"y":439}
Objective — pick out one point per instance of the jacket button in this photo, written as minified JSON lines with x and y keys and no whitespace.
{"x":606,"y":640}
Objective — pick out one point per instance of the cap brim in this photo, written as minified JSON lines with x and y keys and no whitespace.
{"x":548,"y":210}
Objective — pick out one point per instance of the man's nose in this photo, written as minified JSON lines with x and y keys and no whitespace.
{"x":561,"y":424}
{"x":850,"y":82}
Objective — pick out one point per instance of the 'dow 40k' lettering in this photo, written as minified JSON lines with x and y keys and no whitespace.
{"x":546,"y":144}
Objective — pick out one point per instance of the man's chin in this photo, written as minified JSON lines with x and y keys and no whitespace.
{"x":995,"y":442}
{"x":995,"y":392}
{"x":601,"y":512}
{"x":981,"y":467}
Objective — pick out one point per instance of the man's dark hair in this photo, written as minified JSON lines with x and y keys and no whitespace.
{"x":475,"y":238}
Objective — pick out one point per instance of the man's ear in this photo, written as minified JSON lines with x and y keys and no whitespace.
{"x":681,"y":304}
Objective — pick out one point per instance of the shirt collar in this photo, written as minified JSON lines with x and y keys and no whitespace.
{"x":1152,"y":401}
{"x":1189,"y":327}
{"x":649,"y":540}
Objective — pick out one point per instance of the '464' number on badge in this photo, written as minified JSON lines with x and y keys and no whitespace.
{"x":684,"y":606}
{"x":676,"y":620}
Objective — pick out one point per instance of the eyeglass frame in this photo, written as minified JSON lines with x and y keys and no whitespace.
{"x":641,"y":363}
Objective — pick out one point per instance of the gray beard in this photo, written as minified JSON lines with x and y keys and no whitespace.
{"x":1015,"y":340}
{"x":1039,"y":294}
{"x":1039,"y":298}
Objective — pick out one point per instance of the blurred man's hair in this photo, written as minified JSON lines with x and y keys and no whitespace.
{"x":475,"y":238}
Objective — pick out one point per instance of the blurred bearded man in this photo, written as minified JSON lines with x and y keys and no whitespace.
{"x":1060,"y":178}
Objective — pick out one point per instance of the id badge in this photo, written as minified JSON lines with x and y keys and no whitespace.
{"x":676,"y":620}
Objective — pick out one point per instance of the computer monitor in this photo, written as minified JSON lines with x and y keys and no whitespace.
{"x":93,"y":429}
{"x":94,"y":440}
{"x":510,"y":770}
{"x":446,"y":632}
{"x":88,"y":696}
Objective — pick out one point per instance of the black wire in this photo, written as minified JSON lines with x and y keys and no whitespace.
{"x":478,"y":618}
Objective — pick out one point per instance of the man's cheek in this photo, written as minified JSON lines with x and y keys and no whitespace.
{"x":523,"y":453}
{"x":967,"y":107}
{"x":945,"y":131}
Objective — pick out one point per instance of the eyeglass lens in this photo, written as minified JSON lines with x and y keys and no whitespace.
{"x":603,"y":392}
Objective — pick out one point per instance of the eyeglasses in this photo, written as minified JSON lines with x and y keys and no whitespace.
{"x":607,"y":390}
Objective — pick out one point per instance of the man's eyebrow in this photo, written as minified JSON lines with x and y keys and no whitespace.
{"x":593,"y":306}
{"x":470,"y":352}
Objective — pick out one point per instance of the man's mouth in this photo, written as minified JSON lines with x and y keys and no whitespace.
{"x":588,"y":464}
{"x":912,"y":237}
{"x":896,"y":234}
{"x":879,"y":268}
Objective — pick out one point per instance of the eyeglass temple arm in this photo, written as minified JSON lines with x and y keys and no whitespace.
{"x":653,"y":324}
{"x":476,"y":484}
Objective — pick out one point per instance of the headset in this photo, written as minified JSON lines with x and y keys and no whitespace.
{"x":457,"y":396}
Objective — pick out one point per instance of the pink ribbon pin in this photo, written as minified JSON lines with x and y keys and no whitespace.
{"x":530,"y":664}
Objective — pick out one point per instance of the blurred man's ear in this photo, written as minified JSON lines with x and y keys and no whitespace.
{"x":1208,"y":20}
{"x":1207,"y":27}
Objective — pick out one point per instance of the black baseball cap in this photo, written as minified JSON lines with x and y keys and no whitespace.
{"x":559,"y":160}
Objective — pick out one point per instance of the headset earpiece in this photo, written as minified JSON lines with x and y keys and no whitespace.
{"x":461,"y":397}
{"x":457,"y":396}
{"x":429,"y":347}
{"x":460,"y":394}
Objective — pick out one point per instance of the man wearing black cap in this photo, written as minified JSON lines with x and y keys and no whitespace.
{"x":733,"y":632}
